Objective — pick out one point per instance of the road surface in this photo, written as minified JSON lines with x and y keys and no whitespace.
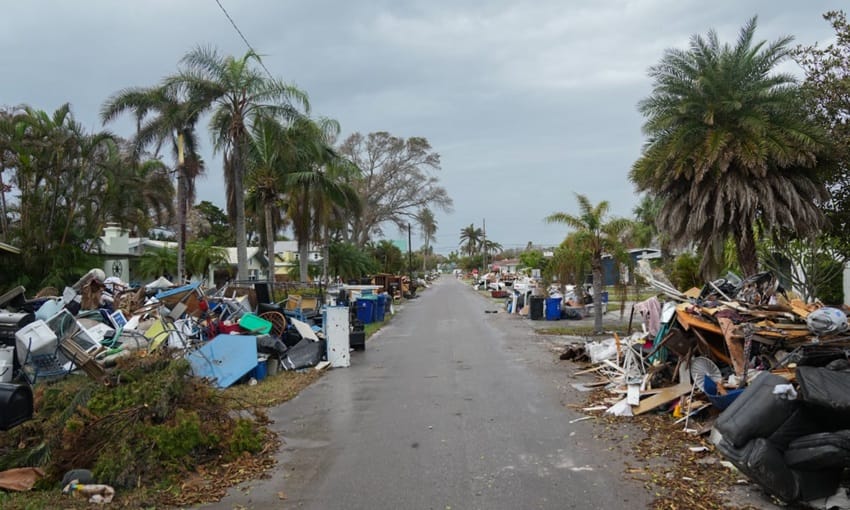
{"x":449,"y":407}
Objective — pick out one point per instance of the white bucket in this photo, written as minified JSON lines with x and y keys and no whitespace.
{"x":7,"y":354}
{"x":5,"y":371}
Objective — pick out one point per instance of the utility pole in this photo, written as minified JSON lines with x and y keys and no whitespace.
{"x":484,"y":242}
{"x":409,"y":253}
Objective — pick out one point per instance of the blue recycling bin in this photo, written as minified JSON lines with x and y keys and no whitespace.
{"x":381,"y":307}
{"x":604,"y":296}
{"x":366,"y":310}
{"x":553,"y":309}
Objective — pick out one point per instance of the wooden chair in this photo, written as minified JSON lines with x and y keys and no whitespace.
{"x":278,"y":321}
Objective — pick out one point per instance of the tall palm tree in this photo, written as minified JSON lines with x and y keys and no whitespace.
{"x":428,"y":225}
{"x":599,"y":235}
{"x":266,"y":168}
{"x":238,"y":93}
{"x":470,"y":239}
{"x":730,"y":148}
{"x":164,"y":115}
{"x":313,"y":182}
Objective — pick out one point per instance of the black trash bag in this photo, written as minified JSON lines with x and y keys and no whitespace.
{"x":816,"y":452}
{"x":757,"y":412}
{"x":305,"y":353}
{"x":267,"y":344}
{"x":825,"y":388}
{"x":766,"y":466}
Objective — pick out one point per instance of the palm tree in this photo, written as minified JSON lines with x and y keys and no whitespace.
{"x":428,"y":224}
{"x":491,"y":246}
{"x":157,"y":262}
{"x":598,"y":235}
{"x":265,"y":179}
{"x":730,"y":148}
{"x":163,"y":115}
{"x":238,"y":93}
{"x":201,"y":255}
{"x":470,"y":239}
{"x":314,"y":183}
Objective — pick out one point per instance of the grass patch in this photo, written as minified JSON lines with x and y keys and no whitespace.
{"x":273,"y":390}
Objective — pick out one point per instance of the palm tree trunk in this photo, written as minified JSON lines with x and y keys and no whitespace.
{"x":326,"y":254}
{"x":239,"y":205}
{"x":425,"y":256}
{"x":303,"y":257}
{"x":269,"y":240}
{"x":597,"y":293}
{"x":181,"y":212}
{"x":747,"y":255}
{"x":181,"y":227}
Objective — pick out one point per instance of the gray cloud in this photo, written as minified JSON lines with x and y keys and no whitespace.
{"x":527,"y":102}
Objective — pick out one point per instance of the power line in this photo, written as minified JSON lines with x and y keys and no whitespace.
{"x":244,"y":39}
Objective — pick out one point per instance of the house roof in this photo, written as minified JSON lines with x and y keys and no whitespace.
{"x":291,"y":246}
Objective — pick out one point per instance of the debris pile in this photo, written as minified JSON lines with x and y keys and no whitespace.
{"x":765,"y":373}
{"x":150,"y":359}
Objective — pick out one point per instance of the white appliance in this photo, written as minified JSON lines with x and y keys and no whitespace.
{"x":335,"y":323}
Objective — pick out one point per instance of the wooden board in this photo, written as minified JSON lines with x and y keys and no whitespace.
{"x":661,"y":398}
{"x":689,"y":321}
{"x":735,"y":344}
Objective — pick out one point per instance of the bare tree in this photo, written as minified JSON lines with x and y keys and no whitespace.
{"x":397,"y":182}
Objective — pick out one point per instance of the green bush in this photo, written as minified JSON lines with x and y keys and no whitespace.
{"x":154,"y":425}
{"x":685,"y":273}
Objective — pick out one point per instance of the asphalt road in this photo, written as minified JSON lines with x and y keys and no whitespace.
{"x":448,"y":408}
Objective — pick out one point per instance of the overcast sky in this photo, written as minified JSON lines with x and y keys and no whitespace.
{"x":526,"y":102}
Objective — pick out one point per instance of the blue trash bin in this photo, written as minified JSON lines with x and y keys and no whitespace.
{"x":553,"y":309}
{"x":366,"y":310}
{"x":380,"y":307}
{"x":604,"y":296}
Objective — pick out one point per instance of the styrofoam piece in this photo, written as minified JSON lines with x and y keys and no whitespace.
{"x":36,"y":338}
{"x":68,"y":295}
{"x":304,"y":330}
{"x":133,"y":323}
{"x":7,"y":354}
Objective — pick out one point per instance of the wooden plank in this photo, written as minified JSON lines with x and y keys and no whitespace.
{"x":588,"y":370}
{"x":799,"y":307}
{"x":619,"y":347}
{"x":689,"y":321}
{"x":633,"y":394}
{"x":735,"y":344}
{"x":661,"y":398}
